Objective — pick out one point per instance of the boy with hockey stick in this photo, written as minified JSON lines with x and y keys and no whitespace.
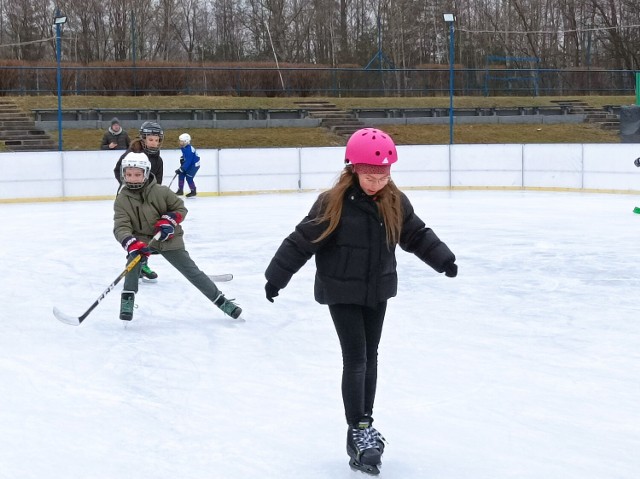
{"x":189,"y":165}
{"x":144,"y":208}
{"x":353,"y":230}
{"x":151,"y":136}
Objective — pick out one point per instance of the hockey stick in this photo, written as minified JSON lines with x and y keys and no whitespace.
{"x":220,"y":278}
{"x":76,"y":321}
{"x":171,"y":182}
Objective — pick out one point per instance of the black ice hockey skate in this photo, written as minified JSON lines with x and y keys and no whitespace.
{"x":367,"y":469}
{"x":363,"y":448}
{"x":127,"y":305}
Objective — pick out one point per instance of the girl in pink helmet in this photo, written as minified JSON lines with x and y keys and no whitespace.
{"x":353,"y":229}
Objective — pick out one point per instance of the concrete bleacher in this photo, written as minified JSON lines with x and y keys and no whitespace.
{"x":100,"y":118}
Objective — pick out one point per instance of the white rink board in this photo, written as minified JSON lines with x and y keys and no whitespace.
{"x":82,"y":174}
{"x":553,"y":166}
{"x":422,"y":166}
{"x":320,"y":167}
{"x":490,"y":166}
{"x":245,"y":170}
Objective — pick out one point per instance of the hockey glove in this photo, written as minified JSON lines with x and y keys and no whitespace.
{"x":166,"y":225}
{"x":181,"y":160}
{"x":179,"y":171}
{"x":636,"y":162}
{"x":271,"y":291}
{"x":134,"y":246}
{"x":451,"y":270}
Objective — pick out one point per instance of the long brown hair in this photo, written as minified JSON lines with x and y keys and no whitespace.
{"x":388,"y":200}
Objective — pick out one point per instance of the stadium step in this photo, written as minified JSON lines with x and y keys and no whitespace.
{"x":339,"y":122}
{"x":18,"y":130}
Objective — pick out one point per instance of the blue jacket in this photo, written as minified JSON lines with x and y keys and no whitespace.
{"x":191,"y":163}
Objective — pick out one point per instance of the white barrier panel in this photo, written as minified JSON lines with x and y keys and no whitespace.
{"x":259,"y":169}
{"x":552,"y":166}
{"x":422,"y":166}
{"x":491,"y":165}
{"x":320,"y":167}
{"x":80,"y":174}
{"x":611,"y":168}
{"x":90,"y":173}
{"x":29,"y":175}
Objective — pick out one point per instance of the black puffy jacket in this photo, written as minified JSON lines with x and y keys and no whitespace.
{"x":354,"y":264}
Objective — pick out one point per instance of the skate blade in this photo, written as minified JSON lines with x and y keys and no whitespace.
{"x":149,"y":280}
{"x":366,"y":468}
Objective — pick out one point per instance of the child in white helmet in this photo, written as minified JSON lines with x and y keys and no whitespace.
{"x":353,"y":230}
{"x":143,"y":209}
{"x":189,"y":165}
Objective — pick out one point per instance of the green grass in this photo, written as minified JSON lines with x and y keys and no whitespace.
{"x":307,"y":137}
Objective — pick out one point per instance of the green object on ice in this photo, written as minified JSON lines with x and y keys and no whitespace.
{"x":636,"y":210}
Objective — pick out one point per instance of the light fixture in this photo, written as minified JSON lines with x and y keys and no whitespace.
{"x":59,"y":20}
{"x":449,"y":17}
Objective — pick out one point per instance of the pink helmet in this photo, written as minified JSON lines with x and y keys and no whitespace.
{"x":371,"y":146}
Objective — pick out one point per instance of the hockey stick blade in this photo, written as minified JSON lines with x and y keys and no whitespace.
{"x":65,"y":318}
{"x":220,"y":278}
{"x":75,"y":321}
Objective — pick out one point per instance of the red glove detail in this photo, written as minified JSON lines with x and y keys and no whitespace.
{"x":134,"y":246}
{"x":166,"y":225}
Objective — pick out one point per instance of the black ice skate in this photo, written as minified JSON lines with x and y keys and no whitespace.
{"x":191,"y":194}
{"x":179,"y":192}
{"x":127,"y":300}
{"x":228,"y":306}
{"x":363,"y":448}
{"x":379,"y":438}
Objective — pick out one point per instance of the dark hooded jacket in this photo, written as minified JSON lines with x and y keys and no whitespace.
{"x":354,"y":264}
{"x":121,"y":138}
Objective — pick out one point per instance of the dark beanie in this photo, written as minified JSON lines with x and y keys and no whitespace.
{"x":114,"y":121}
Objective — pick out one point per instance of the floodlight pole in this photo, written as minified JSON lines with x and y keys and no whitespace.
{"x":450,"y":18}
{"x":58,"y":21}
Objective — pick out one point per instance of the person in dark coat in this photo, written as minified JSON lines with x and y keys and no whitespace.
{"x":115,"y":138}
{"x":353,"y":230}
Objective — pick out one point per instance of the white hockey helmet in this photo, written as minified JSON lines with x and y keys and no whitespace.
{"x":185,"y":137}
{"x":135,"y":160}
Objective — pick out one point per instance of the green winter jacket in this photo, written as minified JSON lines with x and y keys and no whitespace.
{"x":136,"y":213}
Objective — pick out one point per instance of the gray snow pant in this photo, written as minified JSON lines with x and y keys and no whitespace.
{"x":181,"y":261}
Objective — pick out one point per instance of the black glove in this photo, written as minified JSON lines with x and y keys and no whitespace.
{"x":271,"y":291}
{"x":451,"y":270}
{"x":636,"y":162}
{"x":181,"y":160}
{"x":179,"y":171}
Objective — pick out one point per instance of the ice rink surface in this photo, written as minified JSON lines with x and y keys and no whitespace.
{"x":525,"y":366}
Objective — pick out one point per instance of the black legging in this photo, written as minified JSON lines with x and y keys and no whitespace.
{"x":359,"y":329}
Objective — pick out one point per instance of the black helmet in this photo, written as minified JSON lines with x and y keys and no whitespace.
{"x":151,"y":128}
